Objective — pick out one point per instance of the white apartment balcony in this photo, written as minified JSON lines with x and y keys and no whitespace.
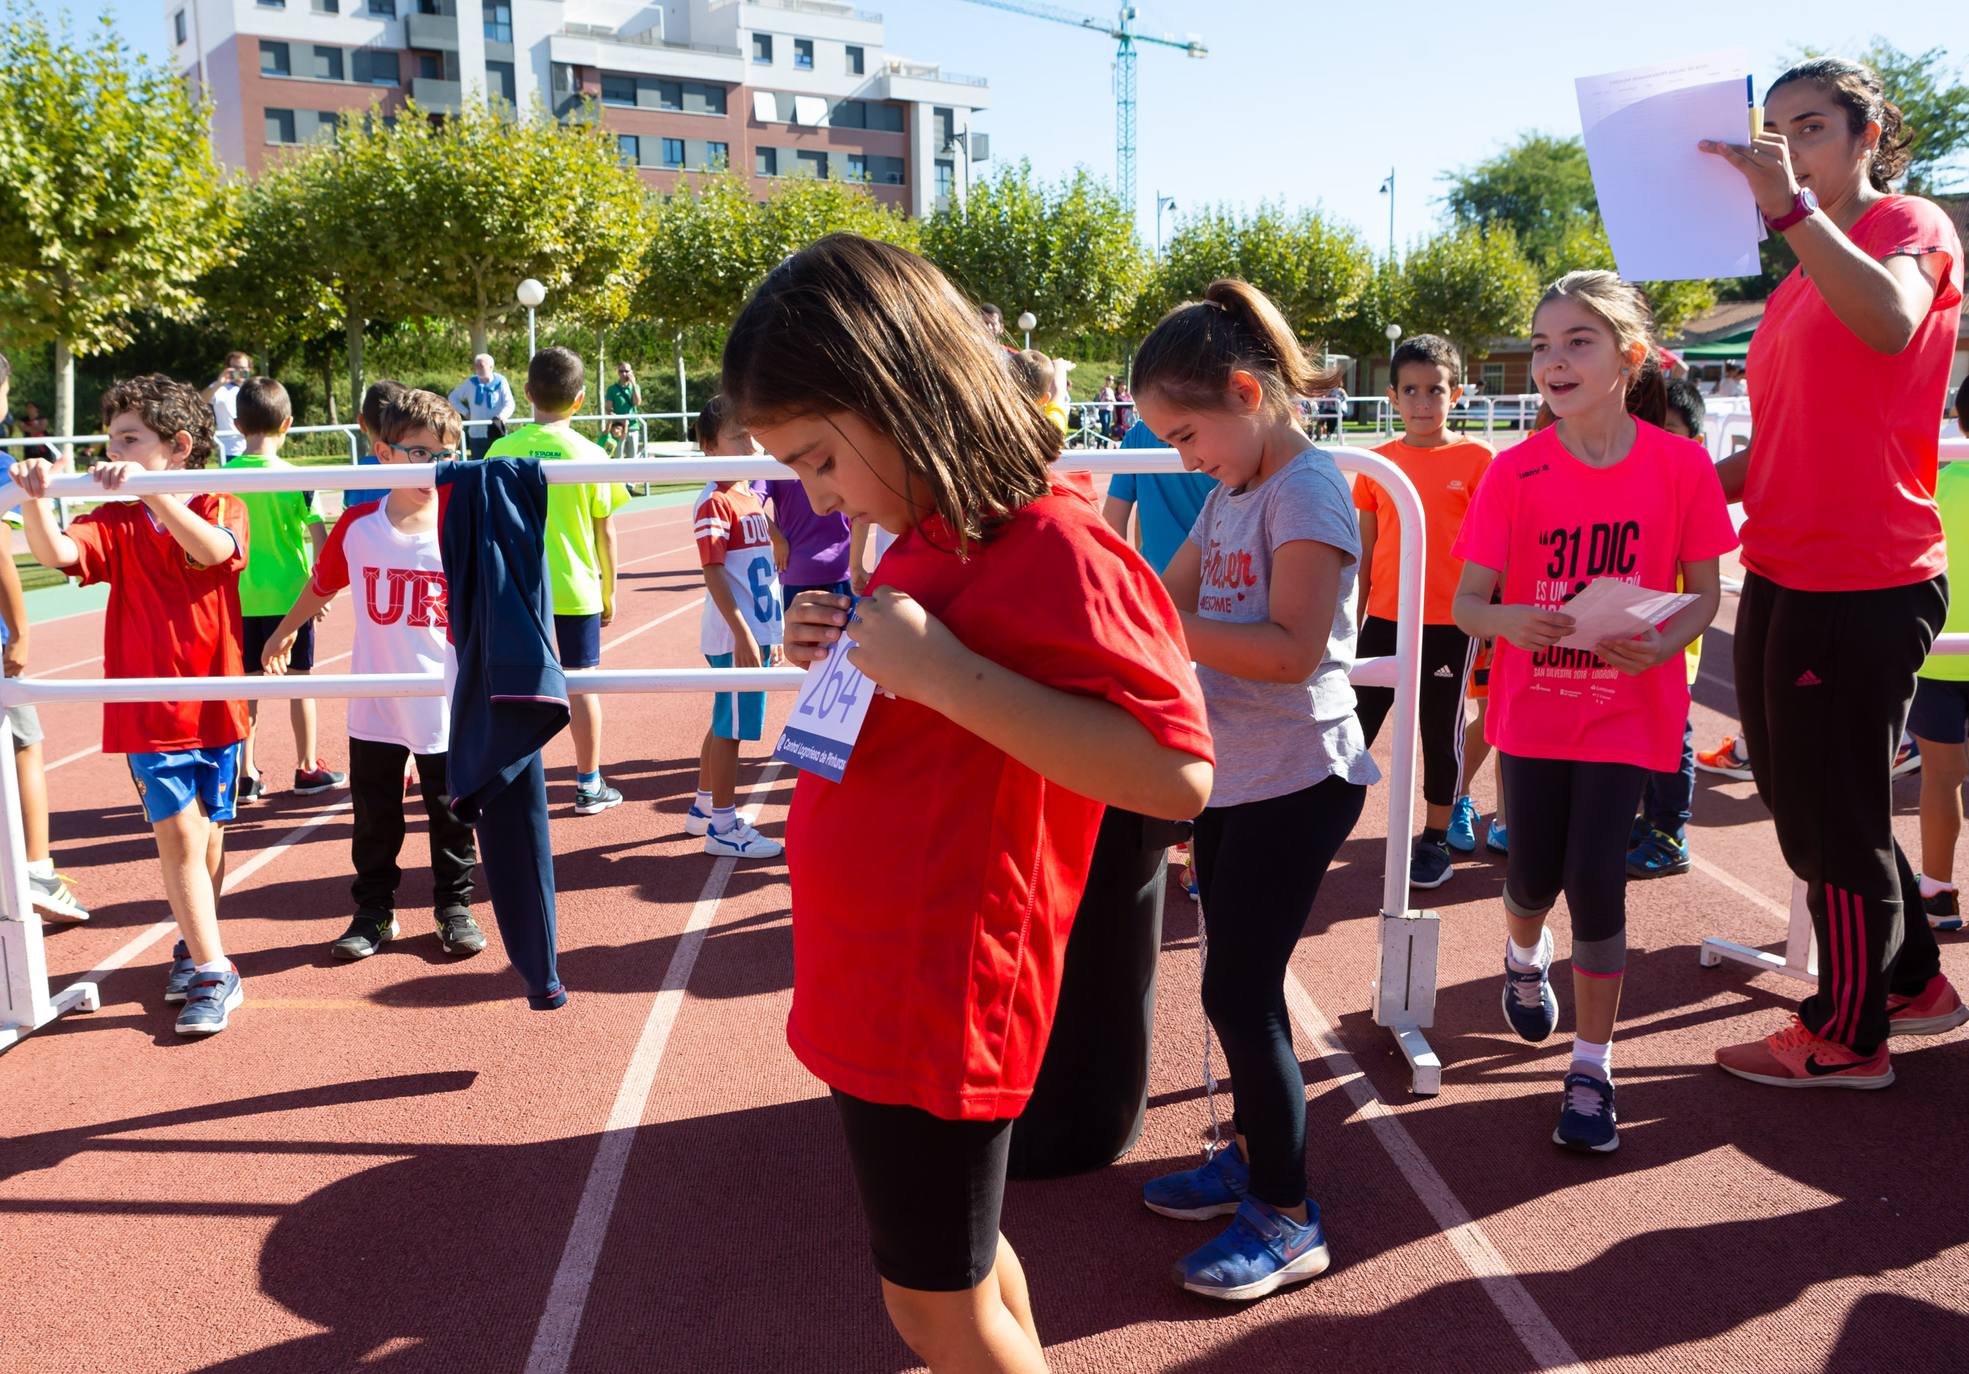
{"x":437,"y":97}
{"x":929,"y":83}
{"x":645,"y":54}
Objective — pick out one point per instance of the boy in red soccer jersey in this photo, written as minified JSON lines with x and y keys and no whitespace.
{"x":387,"y":551}
{"x":172,"y":565}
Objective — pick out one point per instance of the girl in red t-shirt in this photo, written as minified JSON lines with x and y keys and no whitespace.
{"x":1032,"y":669}
{"x":1578,"y":727}
{"x":1844,"y":589}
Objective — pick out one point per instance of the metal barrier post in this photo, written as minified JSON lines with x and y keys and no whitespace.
{"x":25,"y":1005}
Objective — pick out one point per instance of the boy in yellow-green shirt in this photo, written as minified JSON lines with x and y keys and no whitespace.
{"x":580,"y":538}
{"x":286,"y":534}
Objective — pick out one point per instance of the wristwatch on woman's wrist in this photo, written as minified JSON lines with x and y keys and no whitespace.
{"x":1802,"y":204}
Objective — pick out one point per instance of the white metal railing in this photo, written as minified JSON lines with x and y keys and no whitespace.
{"x":1403,"y":992}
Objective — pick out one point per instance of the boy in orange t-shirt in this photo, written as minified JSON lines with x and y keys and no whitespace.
{"x":1445,"y":470}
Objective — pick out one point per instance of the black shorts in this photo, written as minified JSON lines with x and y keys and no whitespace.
{"x":1940,"y":711}
{"x":579,"y":639}
{"x":931,"y":1190}
{"x":260,"y":628}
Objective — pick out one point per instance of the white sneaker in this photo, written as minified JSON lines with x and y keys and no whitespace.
{"x":742,"y":842}
{"x":51,"y":897}
{"x":696,"y":822}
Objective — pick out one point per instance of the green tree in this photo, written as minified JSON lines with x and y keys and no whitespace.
{"x":1470,"y":285}
{"x":1674,"y":302}
{"x":1540,"y":186}
{"x":110,"y":201}
{"x":491,"y":198}
{"x":1065,"y":251}
{"x":1314,"y":271}
{"x":1932,"y":99}
{"x":1386,"y":300}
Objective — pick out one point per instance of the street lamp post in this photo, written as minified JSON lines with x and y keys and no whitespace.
{"x":1394,"y":332}
{"x":1027,"y":322}
{"x":1162,"y":203}
{"x":1388,"y":190}
{"x":529,"y":294}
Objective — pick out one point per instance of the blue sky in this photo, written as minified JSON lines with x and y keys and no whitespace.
{"x":1310,"y":102}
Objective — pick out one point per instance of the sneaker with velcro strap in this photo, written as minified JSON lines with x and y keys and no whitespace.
{"x":1215,"y":1188}
{"x":177,"y":981}
{"x":210,"y":1001}
{"x":742,"y":842}
{"x":1429,"y":864}
{"x":1262,"y":1250}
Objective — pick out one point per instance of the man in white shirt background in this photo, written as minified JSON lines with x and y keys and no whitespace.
{"x":223,"y":395}
{"x":484,"y":396}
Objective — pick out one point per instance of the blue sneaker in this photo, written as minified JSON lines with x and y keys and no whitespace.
{"x":178,"y":981}
{"x":1586,"y":1119}
{"x":1213,"y":1189}
{"x":696,"y":822}
{"x":1530,"y":1009}
{"x":1261,"y":1250}
{"x":1659,"y":855}
{"x":1462,"y":835}
{"x":211,"y":997}
{"x":1497,"y":839}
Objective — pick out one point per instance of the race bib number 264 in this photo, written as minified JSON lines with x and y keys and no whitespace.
{"x":820,"y":733}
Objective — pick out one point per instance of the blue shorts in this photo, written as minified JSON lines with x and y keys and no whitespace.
{"x":579,"y":638}
{"x":169,"y":782}
{"x":1940,"y":713}
{"x":736,"y":715}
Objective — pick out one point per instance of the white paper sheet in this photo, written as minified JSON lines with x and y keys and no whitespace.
{"x":1672,"y":212}
{"x":1612,"y":609}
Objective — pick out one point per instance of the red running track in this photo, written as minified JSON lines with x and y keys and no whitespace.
{"x":394,"y":1166}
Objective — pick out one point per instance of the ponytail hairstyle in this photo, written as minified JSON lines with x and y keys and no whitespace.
{"x":1855,"y":88}
{"x":850,"y":324}
{"x":1628,"y":317}
{"x":1194,"y":349}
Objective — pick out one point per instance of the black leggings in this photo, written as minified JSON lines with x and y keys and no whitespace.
{"x":1569,"y":828}
{"x":1446,"y":659}
{"x":1258,"y":868}
{"x":1823,"y":685}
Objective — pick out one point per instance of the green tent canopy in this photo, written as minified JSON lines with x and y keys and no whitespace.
{"x":1735,"y":346}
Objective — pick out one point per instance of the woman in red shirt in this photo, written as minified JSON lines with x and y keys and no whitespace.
{"x":1844,"y":590}
{"x":1032,"y":669}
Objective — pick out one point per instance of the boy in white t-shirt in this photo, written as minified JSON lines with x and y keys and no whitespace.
{"x":741,"y":628}
{"x":387,"y":551}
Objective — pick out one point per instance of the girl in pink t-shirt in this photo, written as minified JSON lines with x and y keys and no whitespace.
{"x":1577,"y":727}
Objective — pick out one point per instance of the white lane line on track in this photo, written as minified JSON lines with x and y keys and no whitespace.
{"x":1741,"y":888}
{"x":567,"y":1298}
{"x":648,"y":625}
{"x":234,"y":877}
{"x":1534,"y":1329}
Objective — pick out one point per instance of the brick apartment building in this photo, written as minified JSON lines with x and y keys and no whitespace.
{"x":776,"y":88}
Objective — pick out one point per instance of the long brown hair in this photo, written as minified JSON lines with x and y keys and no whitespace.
{"x":1194,"y":349}
{"x":1855,"y":88}
{"x":850,"y":324}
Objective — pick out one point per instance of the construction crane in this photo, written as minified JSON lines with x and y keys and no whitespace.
{"x":1122,"y":29}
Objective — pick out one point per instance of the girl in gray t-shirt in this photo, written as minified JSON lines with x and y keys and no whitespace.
{"x":1265,"y":587}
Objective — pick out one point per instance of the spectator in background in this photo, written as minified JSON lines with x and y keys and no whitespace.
{"x":1124,"y":411}
{"x":223,"y":396}
{"x":625,"y":397}
{"x":34,"y":425}
{"x":485,"y":399}
{"x":994,"y":322}
{"x":1732,"y":383}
